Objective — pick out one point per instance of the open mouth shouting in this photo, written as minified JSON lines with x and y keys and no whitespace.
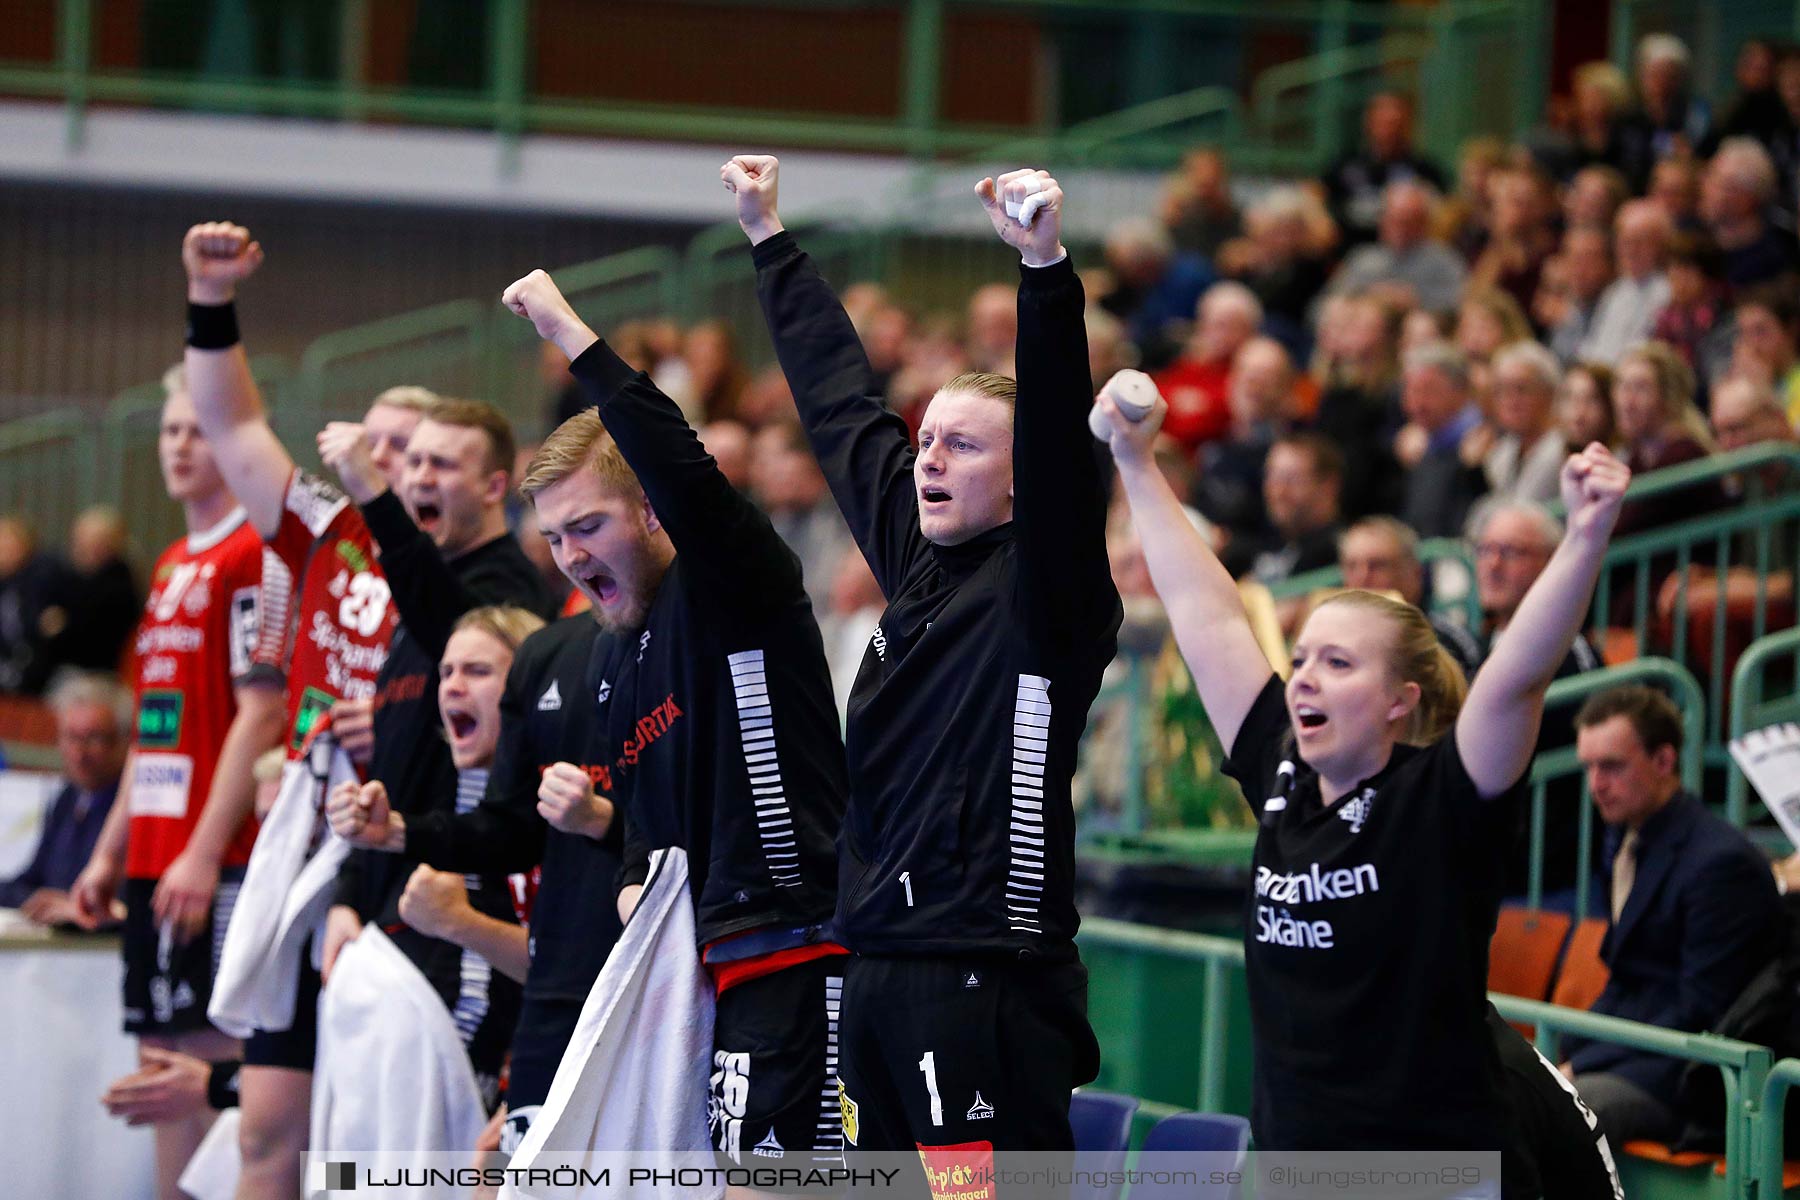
{"x":429,"y":516}
{"x":602,"y":587}
{"x":463,"y":727}
{"x":933,"y":496}
{"x":1308,"y":720}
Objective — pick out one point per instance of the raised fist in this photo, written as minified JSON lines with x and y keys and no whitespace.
{"x":537,"y":298}
{"x":344,"y":447}
{"x":1036,"y":233}
{"x":753,"y":179}
{"x":566,"y":799}
{"x":1593,"y":490}
{"x":218,"y":256}
{"x":360,"y":814}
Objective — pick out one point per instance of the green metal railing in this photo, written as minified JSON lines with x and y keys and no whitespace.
{"x":1448,"y":41}
{"x":1753,"y":1084}
{"x":1752,"y":707}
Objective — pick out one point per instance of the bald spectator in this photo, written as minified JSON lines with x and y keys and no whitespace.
{"x":788,"y":485}
{"x":992,"y":327}
{"x":729,"y":444}
{"x":1406,"y":258}
{"x":100,"y":599}
{"x":1525,"y":462}
{"x":1513,"y":542}
{"x":1198,"y":384}
{"x":1356,"y":186}
{"x":1440,"y":487}
{"x":93,"y":722}
{"x":1155,"y":287}
{"x":1587,"y":270}
{"x":1228,"y":487}
{"x":1381,"y":554}
{"x":1629,"y":307}
{"x":1735,"y":198}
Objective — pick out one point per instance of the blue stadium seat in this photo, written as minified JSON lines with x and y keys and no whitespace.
{"x":1223,"y":1135}
{"x":1101,"y":1122}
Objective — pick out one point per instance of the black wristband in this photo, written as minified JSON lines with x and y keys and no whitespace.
{"x":222,"y":1085}
{"x":212,"y":326}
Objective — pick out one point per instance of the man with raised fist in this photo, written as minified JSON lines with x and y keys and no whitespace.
{"x":965,"y":1002}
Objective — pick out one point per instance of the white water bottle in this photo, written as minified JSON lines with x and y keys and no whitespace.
{"x":1133,"y":393}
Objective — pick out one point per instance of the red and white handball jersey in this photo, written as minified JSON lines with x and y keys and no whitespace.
{"x":208,"y":626}
{"x":345,"y":614}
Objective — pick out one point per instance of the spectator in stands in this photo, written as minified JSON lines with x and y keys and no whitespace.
{"x":1302,"y":479}
{"x":729,"y":444}
{"x":1526,"y":457}
{"x":1658,"y":426}
{"x":1154,"y":287}
{"x":1521,"y":235}
{"x":992,"y":326}
{"x":1675,"y":184}
{"x":1584,"y":411}
{"x":93,"y":720}
{"x":1766,"y":326}
{"x":1462,"y":219}
{"x":1628,"y":308}
{"x":1228,"y":491}
{"x":1381,"y":554}
{"x":1784,"y":147}
{"x":786,"y":481}
{"x":1746,"y":412}
{"x":1357,"y":372}
{"x":1512,"y":542}
{"x":1198,"y":384}
{"x":1735,"y":198}
{"x":96,"y":602}
{"x":1688,"y":319}
{"x":886,"y":337}
{"x":1756,"y":110}
{"x":715,"y":376}
{"x":1602,"y":134}
{"x":1197,"y":206}
{"x":1440,"y":487}
{"x":1693,"y":906}
{"x":1405,"y":259}
{"x":1594,"y":197}
{"x":1357,"y":185}
{"x":1676,"y":121}
{"x":1486,"y":320}
{"x":30,"y":581}
{"x":1587,"y":264}
{"x":766,"y":397}
{"x":1285,"y":258}
{"x":1109,"y":351}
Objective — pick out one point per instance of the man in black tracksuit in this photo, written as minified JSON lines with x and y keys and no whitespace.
{"x":965,"y":1001}
{"x":459,"y":464}
{"x":548,"y":727}
{"x":719,"y":722}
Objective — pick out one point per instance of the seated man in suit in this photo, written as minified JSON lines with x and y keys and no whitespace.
{"x":1694,"y":908}
{"x":93,"y":720}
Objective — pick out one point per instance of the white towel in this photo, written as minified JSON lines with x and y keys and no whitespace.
{"x":212,"y":1173}
{"x":635,"y":1074}
{"x":286,"y":893}
{"x":392,"y":1075}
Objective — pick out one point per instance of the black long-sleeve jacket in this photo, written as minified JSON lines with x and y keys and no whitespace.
{"x":719,"y":714}
{"x":973,"y":694}
{"x":547,"y":716}
{"x":430,"y":593}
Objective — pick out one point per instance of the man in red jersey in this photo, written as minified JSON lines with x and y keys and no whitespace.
{"x":343,"y":621}
{"x":208,"y":663}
